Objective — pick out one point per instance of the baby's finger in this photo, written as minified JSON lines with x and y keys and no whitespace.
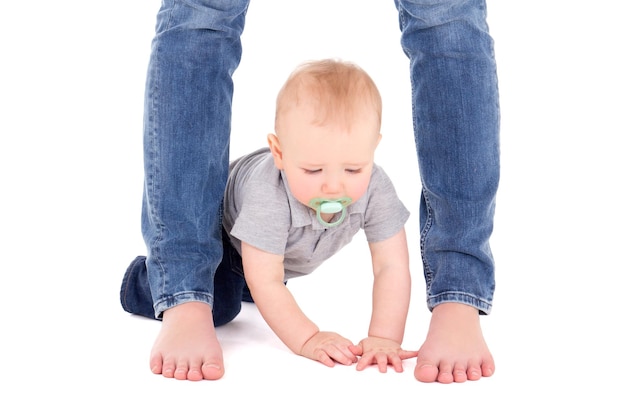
{"x":357,"y":350}
{"x":341,"y":354}
{"x":381,"y":360}
{"x":323,"y":357}
{"x":396,"y":362}
{"x":408,"y":354}
{"x":365,"y":361}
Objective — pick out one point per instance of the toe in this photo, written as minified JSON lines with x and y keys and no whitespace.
{"x":426,"y":371}
{"x":212,"y":371}
{"x":474,"y":372}
{"x":168,"y":368}
{"x":445,"y":373}
{"x":195,"y":372}
{"x":488,"y":368}
{"x":156,"y":364}
{"x":460,"y":374}
{"x":182,"y":369}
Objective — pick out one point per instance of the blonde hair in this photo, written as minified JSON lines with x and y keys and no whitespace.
{"x":333,"y":87}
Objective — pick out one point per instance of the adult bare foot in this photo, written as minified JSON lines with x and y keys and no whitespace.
{"x":454,"y":350}
{"x":187,"y":346}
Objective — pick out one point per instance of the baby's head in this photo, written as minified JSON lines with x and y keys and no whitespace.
{"x":328,"y":118}
{"x":331,"y":92}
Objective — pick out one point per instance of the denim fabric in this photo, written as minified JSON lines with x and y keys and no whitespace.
{"x":188,"y":101}
{"x":456,"y":120}
{"x":230,"y":288}
{"x":189,"y":91}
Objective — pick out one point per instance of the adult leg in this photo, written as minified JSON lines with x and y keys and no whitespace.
{"x":456,"y":122}
{"x":189,"y":91}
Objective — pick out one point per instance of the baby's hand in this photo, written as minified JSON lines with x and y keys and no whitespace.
{"x":328,"y":348}
{"x":376,"y":350}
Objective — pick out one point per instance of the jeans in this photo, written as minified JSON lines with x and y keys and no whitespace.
{"x":188,"y":101}
{"x":229,"y":287}
{"x":456,"y":121}
{"x":189,"y":92}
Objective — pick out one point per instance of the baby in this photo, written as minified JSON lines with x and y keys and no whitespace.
{"x":287,"y":209}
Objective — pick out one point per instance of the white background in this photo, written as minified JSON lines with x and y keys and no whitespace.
{"x":71,"y":91}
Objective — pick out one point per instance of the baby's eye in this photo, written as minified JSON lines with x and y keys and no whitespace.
{"x":353,"y":171}
{"x":311,"y":171}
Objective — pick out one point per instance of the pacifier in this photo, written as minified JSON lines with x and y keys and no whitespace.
{"x":322,"y":205}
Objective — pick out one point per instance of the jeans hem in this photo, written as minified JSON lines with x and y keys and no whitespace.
{"x":180,"y":298}
{"x":483,"y":306}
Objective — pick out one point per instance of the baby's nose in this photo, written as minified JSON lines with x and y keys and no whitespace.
{"x":331,"y":185}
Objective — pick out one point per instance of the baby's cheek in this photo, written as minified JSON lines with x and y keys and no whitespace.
{"x":304,"y":194}
{"x":358,"y":189}
{"x":302,"y":186}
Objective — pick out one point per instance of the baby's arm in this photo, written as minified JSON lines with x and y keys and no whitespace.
{"x":391,"y":295}
{"x":264,"y":275}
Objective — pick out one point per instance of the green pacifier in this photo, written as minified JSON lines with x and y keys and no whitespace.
{"x":325,"y":206}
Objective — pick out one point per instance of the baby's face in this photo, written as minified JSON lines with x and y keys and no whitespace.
{"x":328,"y":161}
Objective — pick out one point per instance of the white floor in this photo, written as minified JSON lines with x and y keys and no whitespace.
{"x":70,"y":175}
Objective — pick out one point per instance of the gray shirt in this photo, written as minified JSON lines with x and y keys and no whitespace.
{"x":260,"y":210}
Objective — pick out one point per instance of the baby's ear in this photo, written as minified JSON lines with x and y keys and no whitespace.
{"x":277,"y":153}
